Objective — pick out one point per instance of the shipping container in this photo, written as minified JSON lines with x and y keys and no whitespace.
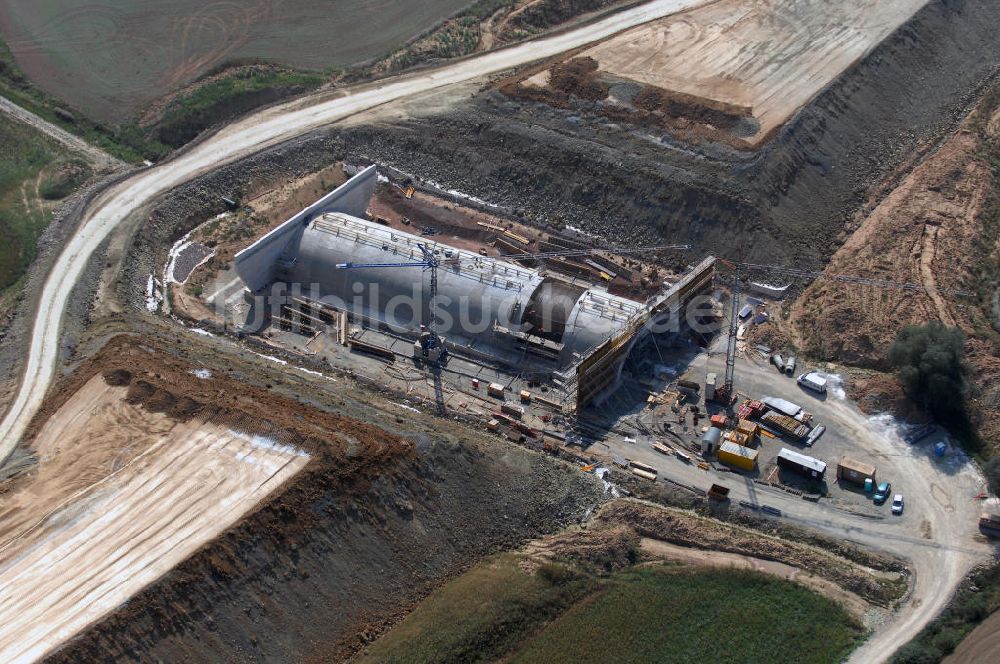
{"x":738,"y":456}
{"x":495,"y":390}
{"x":748,"y":427}
{"x":852,"y":470}
{"x":801,"y":464}
{"x":710,"y":381}
{"x":719,"y":421}
{"x":718,"y":492}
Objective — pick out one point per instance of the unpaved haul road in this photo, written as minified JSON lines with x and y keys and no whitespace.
{"x":937,"y":573}
{"x":249,"y":135}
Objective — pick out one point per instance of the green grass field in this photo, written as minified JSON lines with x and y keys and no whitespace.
{"x":112,"y":59}
{"x":659,"y":614}
{"x":24,"y":154}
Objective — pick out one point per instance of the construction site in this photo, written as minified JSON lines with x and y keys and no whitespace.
{"x":575,"y":344}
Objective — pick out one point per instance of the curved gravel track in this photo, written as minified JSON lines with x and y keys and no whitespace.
{"x":937,"y":570}
{"x":249,"y":135}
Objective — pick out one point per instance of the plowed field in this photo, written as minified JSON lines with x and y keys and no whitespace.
{"x":112,"y":57}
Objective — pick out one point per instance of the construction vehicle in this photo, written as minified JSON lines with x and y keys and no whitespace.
{"x":428,"y":346}
{"x":726,"y":392}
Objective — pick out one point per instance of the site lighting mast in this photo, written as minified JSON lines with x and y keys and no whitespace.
{"x":728,"y":391}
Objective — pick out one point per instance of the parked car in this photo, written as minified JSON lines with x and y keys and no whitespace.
{"x":882,"y":493}
{"x":897,"y":504}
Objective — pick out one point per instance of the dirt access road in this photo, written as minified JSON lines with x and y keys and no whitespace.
{"x":244,"y":137}
{"x":101,"y":159}
{"x":937,"y":533}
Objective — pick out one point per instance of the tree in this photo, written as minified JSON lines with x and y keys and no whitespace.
{"x":931,"y":365}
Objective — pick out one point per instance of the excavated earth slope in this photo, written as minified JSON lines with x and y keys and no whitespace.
{"x":369,"y":525}
{"x":786,"y":203}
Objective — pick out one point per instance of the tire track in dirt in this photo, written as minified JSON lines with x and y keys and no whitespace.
{"x":927,"y":254}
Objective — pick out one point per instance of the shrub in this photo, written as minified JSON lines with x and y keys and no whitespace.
{"x":916,"y":652}
{"x":557,"y":574}
{"x":931,"y":365}
{"x":63,"y":180}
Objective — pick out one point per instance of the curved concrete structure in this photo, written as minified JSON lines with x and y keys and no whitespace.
{"x":484,"y":303}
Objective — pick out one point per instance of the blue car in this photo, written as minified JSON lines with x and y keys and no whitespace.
{"x":882,"y":493}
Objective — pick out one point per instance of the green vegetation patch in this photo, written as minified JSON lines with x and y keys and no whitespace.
{"x":661,"y":614}
{"x":975,"y":600}
{"x":666,"y":615}
{"x":483,"y":614}
{"x":63,"y":179}
{"x":227,"y":98}
{"x":24,"y":154}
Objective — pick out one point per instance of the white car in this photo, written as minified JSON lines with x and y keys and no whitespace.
{"x":897,"y":504}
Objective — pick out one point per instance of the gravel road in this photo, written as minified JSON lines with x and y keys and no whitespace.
{"x":257,"y":131}
{"x":102,"y":160}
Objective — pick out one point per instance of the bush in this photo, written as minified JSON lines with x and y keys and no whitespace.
{"x":63,"y":180}
{"x":931,"y":365}
{"x":557,"y":574}
{"x":917,"y":653}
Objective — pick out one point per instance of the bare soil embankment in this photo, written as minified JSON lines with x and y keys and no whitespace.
{"x":374,"y":521}
{"x":937,"y":227}
{"x":789,"y":202}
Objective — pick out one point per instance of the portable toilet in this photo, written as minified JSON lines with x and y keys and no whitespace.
{"x":939,"y":449}
{"x":869,"y":485}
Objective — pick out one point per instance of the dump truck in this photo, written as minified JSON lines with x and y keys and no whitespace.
{"x":784,"y":424}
